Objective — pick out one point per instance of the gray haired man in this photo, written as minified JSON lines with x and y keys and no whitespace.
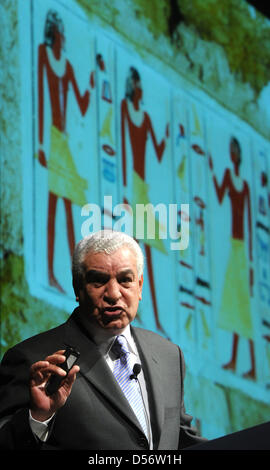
{"x":99,"y":404}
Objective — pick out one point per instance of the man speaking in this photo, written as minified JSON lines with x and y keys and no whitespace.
{"x":125,"y":391}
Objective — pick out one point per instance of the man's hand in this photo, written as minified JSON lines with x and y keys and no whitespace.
{"x":44,"y":406}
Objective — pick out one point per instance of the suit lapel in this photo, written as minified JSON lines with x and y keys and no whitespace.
{"x":153,"y":378}
{"x":94,"y":369}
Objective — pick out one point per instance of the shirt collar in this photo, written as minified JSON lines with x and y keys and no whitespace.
{"x":105,"y":348}
{"x":104,"y":344}
{"x":131,"y":343}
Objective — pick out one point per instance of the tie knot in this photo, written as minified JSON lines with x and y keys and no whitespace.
{"x":120,"y":347}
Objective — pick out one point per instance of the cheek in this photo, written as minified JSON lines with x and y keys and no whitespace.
{"x":90,"y":296}
{"x":133,"y":299}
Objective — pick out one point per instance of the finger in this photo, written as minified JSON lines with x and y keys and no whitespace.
{"x":56,"y":358}
{"x":55,"y":369}
{"x":43,"y":374}
{"x":61,"y":351}
{"x":74,"y":370}
{"x":71,"y":377}
{"x":38,"y":372}
{"x":38,"y":368}
{"x":40,"y":376}
{"x":39,"y":365}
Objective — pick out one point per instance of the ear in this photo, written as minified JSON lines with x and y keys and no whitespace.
{"x":140,"y":286}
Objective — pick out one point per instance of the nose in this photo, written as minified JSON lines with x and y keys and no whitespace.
{"x":112,"y":292}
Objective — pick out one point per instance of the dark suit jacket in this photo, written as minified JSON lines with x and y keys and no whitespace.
{"x":96,"y":415}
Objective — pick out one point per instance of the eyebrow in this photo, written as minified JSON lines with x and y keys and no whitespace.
{"x":127,"y":271}
{"x":94,"y":273}
{"x":103,"y":274}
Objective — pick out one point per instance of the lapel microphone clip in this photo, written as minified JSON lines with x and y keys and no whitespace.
{"x":136,"y":370}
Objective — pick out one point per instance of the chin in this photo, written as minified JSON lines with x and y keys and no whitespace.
{"x":116,"y":325}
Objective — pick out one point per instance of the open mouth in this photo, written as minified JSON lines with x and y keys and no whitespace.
{"x":112,"y":310}
{"x":111,"y":313}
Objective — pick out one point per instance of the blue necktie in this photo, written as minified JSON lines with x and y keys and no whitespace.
{"x":130,"y":387}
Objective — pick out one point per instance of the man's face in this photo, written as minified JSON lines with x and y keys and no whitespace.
{"x":111,"y":289}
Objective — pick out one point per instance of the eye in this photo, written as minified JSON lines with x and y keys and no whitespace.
{"x":125,"y":280}
{"x":97,"y":279}
{"x":98,"y":284}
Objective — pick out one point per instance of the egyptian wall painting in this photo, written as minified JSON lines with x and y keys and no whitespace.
{"x":107,"y":130}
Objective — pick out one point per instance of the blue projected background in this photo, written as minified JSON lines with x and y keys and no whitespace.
{"x":100,"y":119}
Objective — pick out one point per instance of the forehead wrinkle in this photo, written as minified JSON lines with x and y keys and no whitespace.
{"x":102,"y":262}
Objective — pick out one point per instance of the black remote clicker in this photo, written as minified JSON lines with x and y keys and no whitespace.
{"x":55,"y":380}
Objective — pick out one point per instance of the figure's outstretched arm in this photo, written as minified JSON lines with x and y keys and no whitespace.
{"x":220,"y":189}
{"x":82,"y":100}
